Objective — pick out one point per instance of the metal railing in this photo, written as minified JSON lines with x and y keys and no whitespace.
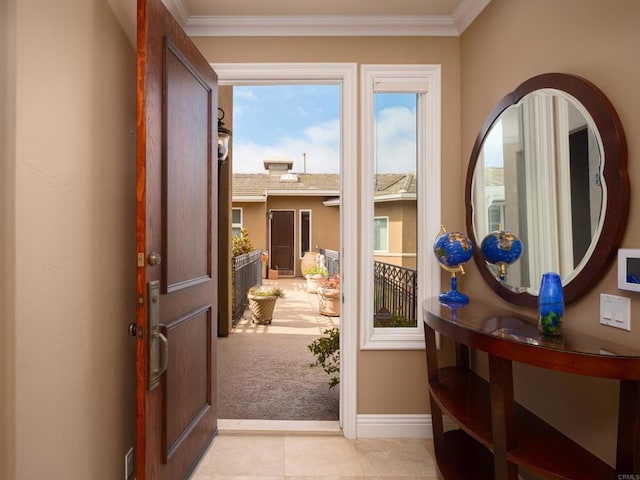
{"x":246,"y":272}
{"x":331,"y":259}
{"x":394,"y":295}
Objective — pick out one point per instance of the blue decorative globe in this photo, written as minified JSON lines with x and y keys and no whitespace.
{"x":501,"y":248}
{"x":452,"y":249}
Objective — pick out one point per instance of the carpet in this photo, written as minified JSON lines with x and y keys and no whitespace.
{"x":267,"y":377}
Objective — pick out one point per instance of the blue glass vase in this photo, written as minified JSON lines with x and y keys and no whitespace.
{"x":550,"y":304}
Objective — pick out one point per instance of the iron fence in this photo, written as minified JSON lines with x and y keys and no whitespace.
{"x":331,"y":259}
{"x":394,"y":295}
{"x":246,"y":272}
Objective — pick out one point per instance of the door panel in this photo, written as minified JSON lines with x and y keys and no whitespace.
{"x":186,"y":194}
{"x":282,"y":252}
{"x":177,"y":247}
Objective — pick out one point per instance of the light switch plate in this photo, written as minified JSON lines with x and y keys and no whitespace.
{"x":615,"y":311}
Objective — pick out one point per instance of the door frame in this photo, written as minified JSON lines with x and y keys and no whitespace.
{"x":293,"y":236}
{"x":345,"y":75}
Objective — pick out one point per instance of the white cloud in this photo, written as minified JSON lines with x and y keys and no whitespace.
{"x":396,"y":140}
{"x":320,"y":142}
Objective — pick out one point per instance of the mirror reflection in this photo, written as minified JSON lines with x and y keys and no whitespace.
{"x":539,"y":175}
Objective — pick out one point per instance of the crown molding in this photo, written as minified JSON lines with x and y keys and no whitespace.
{"x":467,"y":12}
{"x":178,"y":10}
{"x":327,"y":25}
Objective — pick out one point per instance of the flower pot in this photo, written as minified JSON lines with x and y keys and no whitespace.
{"x":313,"y":282}
{"x":329,"y":301}
{"x":262,"y":307}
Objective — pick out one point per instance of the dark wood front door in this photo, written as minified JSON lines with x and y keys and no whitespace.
{"x":282,"y":251}
{"x":176,"y":411}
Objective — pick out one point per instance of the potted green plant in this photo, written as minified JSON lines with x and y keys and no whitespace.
{"x":314,"y":275}
{"x":329,"y":296}
{"x":262,"y":303}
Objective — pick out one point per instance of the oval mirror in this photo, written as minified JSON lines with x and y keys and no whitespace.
{"x":549,"y":165}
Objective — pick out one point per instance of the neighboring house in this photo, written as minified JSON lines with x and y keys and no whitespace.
{"x":394,"y":225}
{"x":286,"y":213}
{"x":289,"y":214}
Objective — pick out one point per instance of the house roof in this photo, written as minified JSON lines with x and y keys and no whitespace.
{"x":258,"y":186}
{"x":262,"y":184}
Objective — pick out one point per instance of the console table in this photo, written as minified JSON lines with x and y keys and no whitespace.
{"x":496,"y":434}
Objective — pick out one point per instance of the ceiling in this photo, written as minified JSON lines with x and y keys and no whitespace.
{"x":326,"y":17}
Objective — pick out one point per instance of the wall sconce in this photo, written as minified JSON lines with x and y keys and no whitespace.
{"x":223,"y":138}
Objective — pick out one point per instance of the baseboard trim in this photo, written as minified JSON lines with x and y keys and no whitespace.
{"x":398,"y":426}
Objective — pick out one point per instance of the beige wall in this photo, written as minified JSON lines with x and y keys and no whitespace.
{"x":377,"y":370}
{"x":511,"y":41}
{"x":71,"y":202}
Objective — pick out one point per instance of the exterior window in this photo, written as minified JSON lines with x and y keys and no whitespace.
{"x":305,"y":232}
{"x":381,"y":234}
{"x":496,"y":215}
{"x":236,"y":221}
{"x":401,"y":158}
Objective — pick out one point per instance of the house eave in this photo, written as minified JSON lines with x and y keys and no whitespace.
{"x":395,"y":197}
{"x":249,"y":199}
{"x":302,"y":193}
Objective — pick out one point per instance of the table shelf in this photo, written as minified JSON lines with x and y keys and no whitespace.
{"x":496,"y":432}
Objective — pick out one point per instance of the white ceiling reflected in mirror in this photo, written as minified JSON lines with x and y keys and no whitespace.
{"x":549,"y":166}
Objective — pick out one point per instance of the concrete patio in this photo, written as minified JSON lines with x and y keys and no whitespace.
{"x":264,"y":371}
{"x":296,"y":313}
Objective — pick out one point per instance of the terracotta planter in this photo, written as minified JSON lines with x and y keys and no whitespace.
{"x":262,"y":308}
{"x":313,"y":282}
{"x":329,"y":301}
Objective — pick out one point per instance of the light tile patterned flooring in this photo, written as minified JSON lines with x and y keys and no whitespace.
{"x":248,"y":451}
{"x":315,"y":457}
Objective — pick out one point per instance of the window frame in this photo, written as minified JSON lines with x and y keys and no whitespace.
{"x":381,"y":217}
{"x":236,"y":225}
{"x":300,"y":212}
{"x":425,"y":81}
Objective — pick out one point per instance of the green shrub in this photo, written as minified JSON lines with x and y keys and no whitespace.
{"x":315,"y":270}
{"x":327,"y":352}
{"x":241,"y":244}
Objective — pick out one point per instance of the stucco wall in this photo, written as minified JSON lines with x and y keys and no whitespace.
{"x":72,"y":190}
{"x":511,"y":41}
{"x":379,"y":381}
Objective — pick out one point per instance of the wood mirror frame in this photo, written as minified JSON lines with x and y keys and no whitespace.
{"x":614,"y":175}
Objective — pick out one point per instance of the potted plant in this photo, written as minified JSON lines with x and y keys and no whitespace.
{"x":314,"y":276}
{"x":262,"y":303}
{"x":329,"y":296}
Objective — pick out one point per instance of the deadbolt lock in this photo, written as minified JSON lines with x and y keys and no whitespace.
{"x":154,"y":258}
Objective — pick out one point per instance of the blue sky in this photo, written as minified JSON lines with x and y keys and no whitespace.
{"x":288,"y":120}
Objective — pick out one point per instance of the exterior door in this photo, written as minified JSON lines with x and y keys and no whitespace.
{"x":176,"y":323}
{"x":282,"y":236}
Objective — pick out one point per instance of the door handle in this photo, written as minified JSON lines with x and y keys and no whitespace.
{"x":158,"y":344}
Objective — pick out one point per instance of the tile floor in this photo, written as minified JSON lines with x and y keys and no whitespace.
{"x":315,"y":457}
